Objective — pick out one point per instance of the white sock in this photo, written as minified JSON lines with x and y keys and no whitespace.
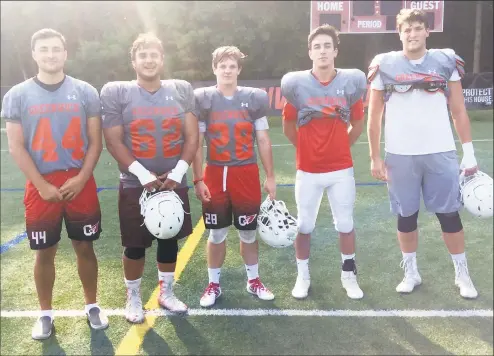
{"x":459,"y":257}
{"x":214,"y":275}
{"x":409,"y":255}
{"x":47,"y":313}
{"x":347,"y":257}
{"x":136,"y":284}
{"x":167,"y":279}
{"x":252,"y":271}
{"x":303,"y":268}
{"x":88,"y":307}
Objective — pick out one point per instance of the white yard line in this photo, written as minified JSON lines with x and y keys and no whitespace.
{"x":408,"y":313}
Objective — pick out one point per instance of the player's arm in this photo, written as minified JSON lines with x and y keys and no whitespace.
{"x":289,"y":117}
{"x":197,"y":163}
{"x":356,"y":121}
{"x":26,"y":164}
{"x":266,"y":155}
{"x":113,"y":131}
{"x":461,"y":122}
{"x":375,"y":112}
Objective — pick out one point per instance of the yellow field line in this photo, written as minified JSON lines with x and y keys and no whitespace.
{"x":132,"y":341}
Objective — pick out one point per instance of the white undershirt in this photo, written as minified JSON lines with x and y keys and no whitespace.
{"x":417,"y":122}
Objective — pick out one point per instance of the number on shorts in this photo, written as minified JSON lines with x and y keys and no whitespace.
{"x":211,"y":219}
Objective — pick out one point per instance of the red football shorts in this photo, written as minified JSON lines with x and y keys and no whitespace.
{"x":82,"y":215}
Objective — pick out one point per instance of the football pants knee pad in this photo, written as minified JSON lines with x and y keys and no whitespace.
{"x":135,"y":253}
{"x":217,"y":236}
{"x":450,"y":222}
{"x":409,"y":223}
{"x":344,"y":225}
{"x":247,"y":236}
{"x":306,"y":227}
{"x":167,"y":251}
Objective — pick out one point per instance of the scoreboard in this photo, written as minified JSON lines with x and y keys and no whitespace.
{"x":371,"y":16}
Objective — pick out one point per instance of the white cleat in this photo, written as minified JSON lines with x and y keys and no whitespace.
{"x":412,"y":276}
{"x":133,"y":308}
{"x":349,"y":282}
{"x":211,"y":293}
{"x":463,"y":280}
{"x":255,"y":286}
{"x":168,"y":300}
{"x":301,"y":288}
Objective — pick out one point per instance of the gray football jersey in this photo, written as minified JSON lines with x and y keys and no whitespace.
{"x":230,"y":130}
{"x":396,"y":70}
{"x":153,"y":123}
{"x":54,"y":124}
{"x":314,"y":100}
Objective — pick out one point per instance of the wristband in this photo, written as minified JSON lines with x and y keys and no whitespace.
{"x":179,"y":171}
{"x":468,"y":149}
{"x":144,"y":176}
{"x":198,"y":180}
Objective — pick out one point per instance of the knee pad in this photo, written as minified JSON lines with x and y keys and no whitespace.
{"x":305,"y":227}
{"x":167,"y":251}
{"x":409,"y":223}
{"x":217,"y":236}
{"x":135,"y":253}
{"x":344,"y":225}
{"x":247,"y":236}
{"x":450,"y":222}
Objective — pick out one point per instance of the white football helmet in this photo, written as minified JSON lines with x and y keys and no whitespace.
{"x":476,"y":194}
{"x":276,"y":226}
{"x":163,"y":213}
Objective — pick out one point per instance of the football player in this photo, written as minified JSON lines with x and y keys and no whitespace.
{"x":416,"y":85}
{"x":54,"y":134}
{"x":152,"y":133}
{"x":232,"y":119}
{"x":323,"y":116}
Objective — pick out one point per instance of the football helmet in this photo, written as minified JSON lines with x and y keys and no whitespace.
{"x":163,"y":213}
{"x":276,"y":226}
{"x":476,"y":194}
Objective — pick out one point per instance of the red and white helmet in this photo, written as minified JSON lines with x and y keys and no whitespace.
{"x":276,"y":226}
{"x":476,"y":194}
{"x":163,"y":213}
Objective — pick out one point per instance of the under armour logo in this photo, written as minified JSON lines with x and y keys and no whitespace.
{"x":340,"y":92}
{"x":245,"y":105}
{"x":168,"y":97}
{"x":432,"y":71}
{"x":71,"y":97}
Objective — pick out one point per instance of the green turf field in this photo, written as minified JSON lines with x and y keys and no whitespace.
{"x":326,"y":323}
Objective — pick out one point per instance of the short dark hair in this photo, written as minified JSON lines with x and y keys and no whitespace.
{"x":145,"y":40}
{"x":411,"y":15}
{"x":47,"y":33}
{"x":325,"y":30}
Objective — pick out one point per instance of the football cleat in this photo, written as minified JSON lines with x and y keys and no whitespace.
{"x":43,"y":328}
{"x":211,"y":293}
{"x":276,"y":226}
{"x":255,"y":286}
{"x":163,"y":213}
{"x":168,"y":300}
{"x":133,"y":309}
{"x":412,"y":277}
{"x":463,"y":280}
{"x":301,"y":288}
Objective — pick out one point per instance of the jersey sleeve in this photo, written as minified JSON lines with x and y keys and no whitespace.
{"x":111,"y":111}
{"x":287,"y":88}
{"x":261,"y":104}
{"x":186,"y":93}
{"x":289,"y":112}
{"x":360,"y":83}
{"x":92,"y":105}
{"x":261,"y":124}
{"x":374,"y":69}
{"x":202,"y":105}
{"x":11,"y":106}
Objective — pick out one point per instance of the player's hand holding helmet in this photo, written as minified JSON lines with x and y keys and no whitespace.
{"x":476,"y":194}
{"x":163,"y":213}
{"x":276,"y":226}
